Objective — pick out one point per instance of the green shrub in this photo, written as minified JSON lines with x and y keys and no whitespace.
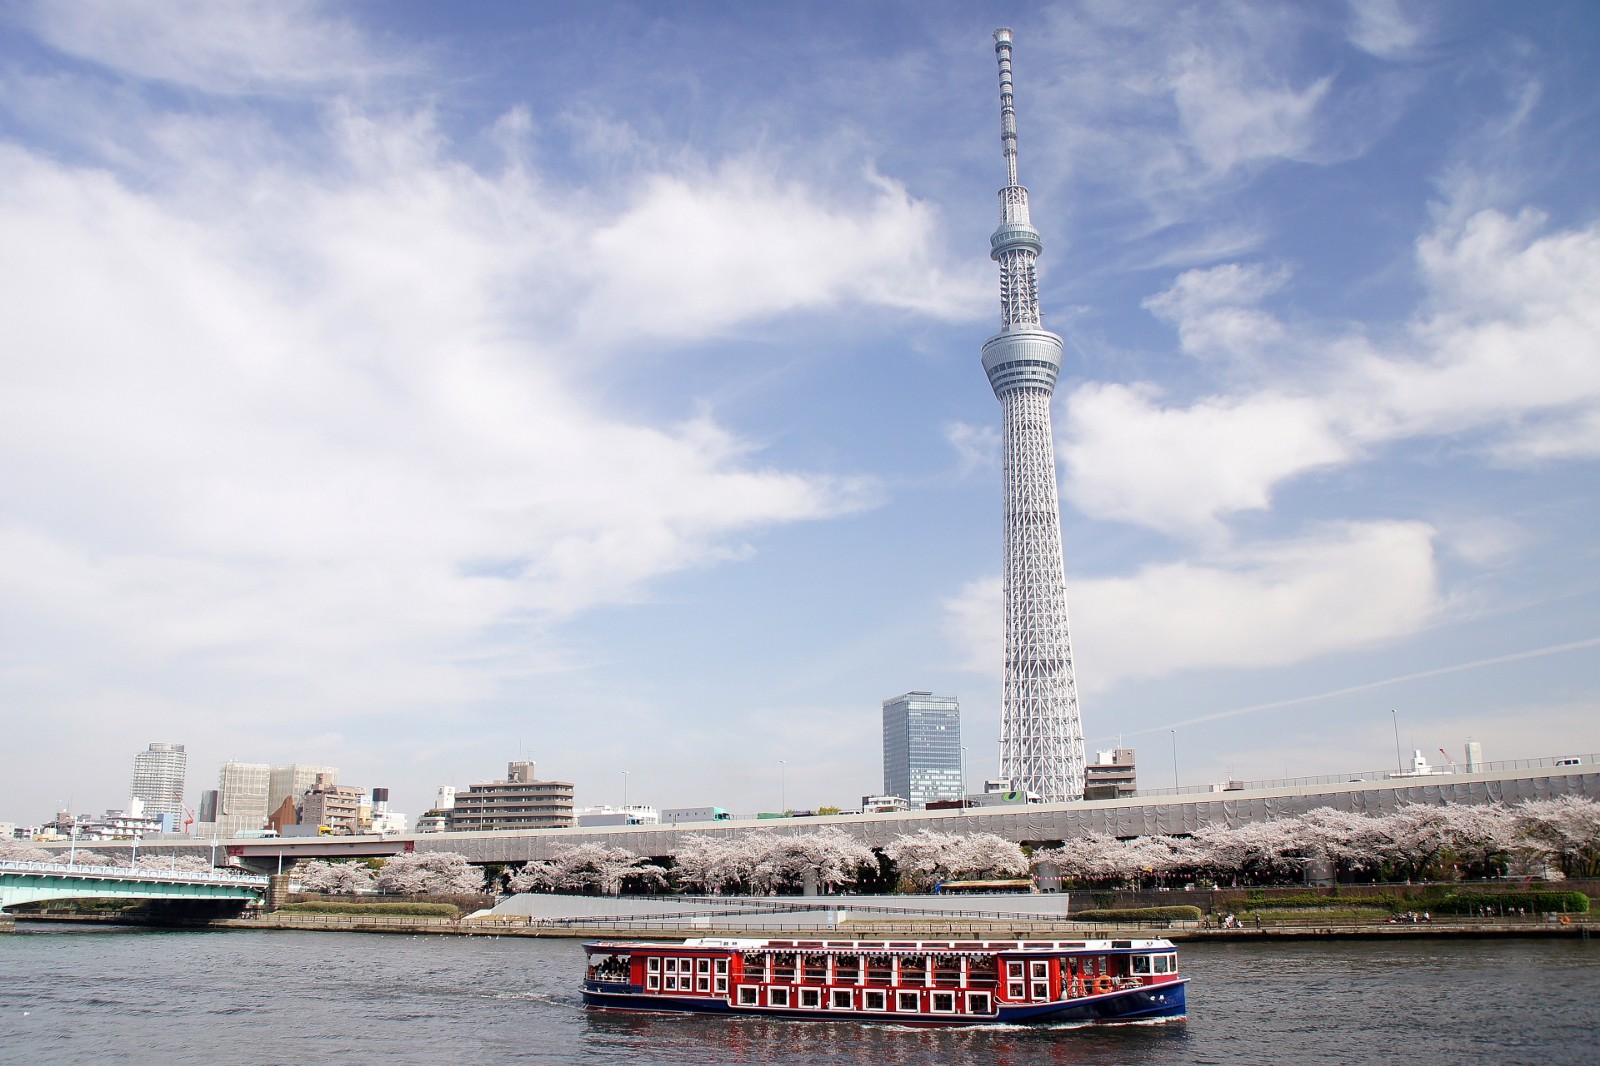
{"x":1140,"y":914}
{"x":387,"y":910}
{"x":1500,"y":902}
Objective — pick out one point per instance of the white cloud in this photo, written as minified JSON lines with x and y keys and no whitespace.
{"x":1215,"y":311}
{"x":690,"y":257}
{"x":1506,"y":347}
{"x":1234,"y":114}
{"x":976,"y":447}
{"x":217,"y":46}
{"x":323,"y":429}
{"x":1252,"y":606}
{"x":1183,"y":469}
{"x":1382,"y":28}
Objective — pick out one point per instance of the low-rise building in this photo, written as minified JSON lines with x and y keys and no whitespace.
{"x":679,"y":815}
{"x":1110,"y":776}
{"x":605,"y":814}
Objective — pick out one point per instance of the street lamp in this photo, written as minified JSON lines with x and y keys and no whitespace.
{"x":133,"y":855}
{"x":72,"y":849}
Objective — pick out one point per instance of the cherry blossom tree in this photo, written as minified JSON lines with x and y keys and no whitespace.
{"x":828,"y":857}
{"x":1566,"y":831}
{"x":338,"y":878}
{"x":921,"y":858}
{"x":1483,"y":837}
{"x":429,"y":873}
{"x":21,"y":851}
{"x":986,"y":855}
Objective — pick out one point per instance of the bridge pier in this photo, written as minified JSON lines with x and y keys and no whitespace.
{"x":277,"y":892}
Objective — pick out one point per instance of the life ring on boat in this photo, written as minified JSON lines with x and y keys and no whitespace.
{"x":1102,"y":985}
{"x":1565,"y":920}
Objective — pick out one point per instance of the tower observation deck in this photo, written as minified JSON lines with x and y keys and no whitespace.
{"x":1041,"y":734}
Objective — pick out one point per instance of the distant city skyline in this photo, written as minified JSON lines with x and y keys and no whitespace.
{"x":419,"y":388}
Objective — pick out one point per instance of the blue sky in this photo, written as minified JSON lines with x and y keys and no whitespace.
{"x":413,"y":387}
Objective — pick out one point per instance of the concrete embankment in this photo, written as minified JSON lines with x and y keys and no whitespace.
{"x":913,"y":930}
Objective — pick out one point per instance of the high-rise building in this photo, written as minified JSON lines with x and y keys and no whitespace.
{"x":158,"y":776}
{"x":293,"y":780}
{"x":242,"y":797}
{"x":1041,"y":736}
{"x":922,"y":748}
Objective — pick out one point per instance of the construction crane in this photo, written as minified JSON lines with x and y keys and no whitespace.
{"x":1448,"y":759}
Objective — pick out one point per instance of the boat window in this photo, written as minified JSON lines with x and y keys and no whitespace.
{"x":783,"y":967}
{"x":878,"y":968}
{"x":1014,"y":990}
{"x":686,"y":965}
{"x":1161,"y":963}
{"x":979,"y":1003}
{"x":653,"y":982}
{"x":981,"y":971}
{"x":747,"y":995}
{"x":840,"y":999}
{"x":703,"y":965}
{"x":1013,"y":969}
{"x":1040,"y":970}
{"x":722,"y":965}
{"x":755,"y":967}
{"x":913,"y":968}
{"x":653,"y":965}
{"x":908,"y":1001}
{"x":702,"y":984}
{"x":672,"y":965}
{"x":816,"y":968}
{"x":944,"y":1002}
{"x":873,"y":999}
{"x":777,"y":997}
{"x":811,"y":997}
{"x":847,"y":968}
{"x":722,"y":983}
{"x":947,"y":970}
{"x":1141,"y":964}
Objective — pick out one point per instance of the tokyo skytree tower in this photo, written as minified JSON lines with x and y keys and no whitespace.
{"x":1041,"y":735}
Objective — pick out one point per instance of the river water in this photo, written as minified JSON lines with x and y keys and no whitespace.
{"x":130,"y":996}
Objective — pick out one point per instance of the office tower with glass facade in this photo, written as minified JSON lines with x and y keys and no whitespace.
{"x":158,"y":777}
{"x":922,"y":748}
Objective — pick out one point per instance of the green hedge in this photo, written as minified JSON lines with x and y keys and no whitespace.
{"x":1140,"y":914}
{"x":1500,"y":902}
{"x":1256,"y":901}
{"x":392,"y":910}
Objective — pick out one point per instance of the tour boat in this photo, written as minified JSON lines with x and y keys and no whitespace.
{"x":916,"y":982}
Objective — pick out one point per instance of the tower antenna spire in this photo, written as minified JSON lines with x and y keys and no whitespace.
{"x":1041,"y":732}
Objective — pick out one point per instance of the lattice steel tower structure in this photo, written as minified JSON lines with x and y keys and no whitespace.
{"x":1041,"y":735}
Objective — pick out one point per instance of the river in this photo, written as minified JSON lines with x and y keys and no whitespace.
{"x":107,"y":995}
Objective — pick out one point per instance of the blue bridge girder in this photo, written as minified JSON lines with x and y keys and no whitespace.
{"x":32,"y":882}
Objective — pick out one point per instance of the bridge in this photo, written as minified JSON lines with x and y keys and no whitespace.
{"x":33,"y":882}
